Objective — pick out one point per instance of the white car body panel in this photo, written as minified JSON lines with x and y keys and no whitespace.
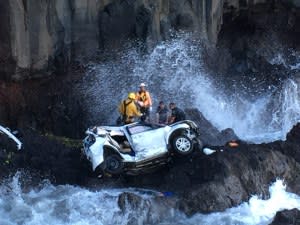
{"x":10,"y":135}
{"x":145,"y":146}
{"x":96,"y":152}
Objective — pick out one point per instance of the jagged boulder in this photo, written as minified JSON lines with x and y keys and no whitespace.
{"x":210,"y":135}
{"x":290,"y":148}
{"x":291,"y":145}
{"x":140,"y":210}
{"x":245,"y":171}
{"x":226,"y":178}
{"x":287,"y":217}
{"x":129,"y":201}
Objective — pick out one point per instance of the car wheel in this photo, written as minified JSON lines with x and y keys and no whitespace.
{"x":113,"y":164}
{"x":182,"y":145}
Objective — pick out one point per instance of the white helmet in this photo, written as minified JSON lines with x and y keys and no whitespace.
{"x":142,"y":85}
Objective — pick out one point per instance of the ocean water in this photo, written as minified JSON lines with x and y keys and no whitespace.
{"x":72,"y":205}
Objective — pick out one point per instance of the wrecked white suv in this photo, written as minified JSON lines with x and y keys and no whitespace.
{"x":138,"y":146}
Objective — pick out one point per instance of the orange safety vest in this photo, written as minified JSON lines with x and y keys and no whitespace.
{"x":144,"y":97}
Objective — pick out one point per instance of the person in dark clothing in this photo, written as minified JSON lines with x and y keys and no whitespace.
{"x":177,"y":114}
{"x":162,"y":113}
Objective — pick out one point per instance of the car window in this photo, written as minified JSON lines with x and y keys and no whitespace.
{"x":138,"y":129}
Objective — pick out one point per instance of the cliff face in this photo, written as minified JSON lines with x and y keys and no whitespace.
{"x":38,"y":38}
{"x":42,"y":36}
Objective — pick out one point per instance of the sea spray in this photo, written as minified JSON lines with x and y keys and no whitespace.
{"x":175,"y":71}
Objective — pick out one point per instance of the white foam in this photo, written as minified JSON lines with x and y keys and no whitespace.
{"x":69,"y":205}
{"x":254,"y":212}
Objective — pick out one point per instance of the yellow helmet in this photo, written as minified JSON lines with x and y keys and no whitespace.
{"x":131,"y":95}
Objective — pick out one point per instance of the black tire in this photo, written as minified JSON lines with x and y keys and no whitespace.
{"x":182,"y":145}
{"x":113,"y":164}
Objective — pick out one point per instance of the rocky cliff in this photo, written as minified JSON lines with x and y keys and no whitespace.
{"x":39,"y":38}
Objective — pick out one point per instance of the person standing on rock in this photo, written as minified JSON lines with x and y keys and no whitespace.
{"x":144,"y":101}
{"x":129,"y":109}
{"x":177,"y":114}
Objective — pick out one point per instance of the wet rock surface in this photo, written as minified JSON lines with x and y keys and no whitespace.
{"x":253,"y":40}
{"x":287,"y":217}
{"x":134,"y":205}
{"x":210,"y":135}
{"x":45,"y":105}
{"x":44,"y":158}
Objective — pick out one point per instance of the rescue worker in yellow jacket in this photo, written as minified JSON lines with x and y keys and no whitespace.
{"x":129,"y":109}
{"x":144,"y":100}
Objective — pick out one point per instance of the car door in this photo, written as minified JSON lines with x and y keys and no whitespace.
{"x":148,"y":141}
